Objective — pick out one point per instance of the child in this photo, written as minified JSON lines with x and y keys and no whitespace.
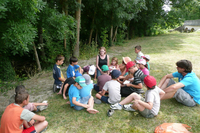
{"x":147,"y":58}
{"x":122,"y":66}
{"x":89,"y":69}
{"x":76,"y":101}
{"x":102,"y":79}
{"x":30,"y":106}
{"x":113,"y":87}
{"x":57,"y":73}
{"x":138,"y":52}
{"x":71,"y":70}
{"x":14,"y":114}
{"x":68,"y":82}
{"x":86,"y":91}
{"x":102,"y":59}
{"x":142,"y":66}
{"x":148,"y":108}
{"x":114,"y":64}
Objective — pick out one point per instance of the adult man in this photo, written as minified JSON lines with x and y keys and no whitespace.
{"x":187,"y":90}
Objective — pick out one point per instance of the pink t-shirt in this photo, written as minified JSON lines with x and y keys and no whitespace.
{"x":102,"y":79}
{"x":145,"y":71}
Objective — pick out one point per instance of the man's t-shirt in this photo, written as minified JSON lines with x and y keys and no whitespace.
{"x":86,"y":91}
{"x":57,"y":73}
{"x":113,"y":87}
{"x":73,"y":92}
{"x":12,"y":119}
{"x":71,"y":70}
{"x":191,"y":84}
{"x":102,"y":79}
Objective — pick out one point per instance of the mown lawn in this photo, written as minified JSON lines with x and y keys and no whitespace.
{"x":165,"y":50}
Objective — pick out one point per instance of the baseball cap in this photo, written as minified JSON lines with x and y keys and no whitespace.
{"x":81,"y":81}
{"x":116,"y":73}
{"x":141,"y":61}
{"x":92,"y":70}
{"x":150,"y":81}
{"x":87,"y":79}
{"x":78,"y":74}
{"x":126,"y":59}
{"x":129,"y":65}
{"x":104,"y":68}
{"x":146,"y":57}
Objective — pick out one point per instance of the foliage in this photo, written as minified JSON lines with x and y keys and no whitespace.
{"x":92,"y":48}
{"x":7,"y":72}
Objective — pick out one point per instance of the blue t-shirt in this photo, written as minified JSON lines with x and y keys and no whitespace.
{"x":192,"y":84}
{"x":86,"y":91}
{"x":56,"y":74}
{"x":73,"y":92}
{"x":71,"y":70}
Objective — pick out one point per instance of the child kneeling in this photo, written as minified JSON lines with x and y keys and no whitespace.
{"x":148,"y":108}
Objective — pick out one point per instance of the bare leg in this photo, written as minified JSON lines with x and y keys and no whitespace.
{"x":168,"y":95}
{"x":138,"y":106}
{"x":40,"y":126}
{"x":60,"y":92}
{"x":91,"y":104}
{"x":131,"y":97}
{"x":64,"y":91}
{"x":164,"y":85}
{"x":98,"y":96}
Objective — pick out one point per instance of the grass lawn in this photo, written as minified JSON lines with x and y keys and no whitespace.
{"x":164,"y":50}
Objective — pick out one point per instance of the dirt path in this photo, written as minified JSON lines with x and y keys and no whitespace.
{"x":40,"y":86}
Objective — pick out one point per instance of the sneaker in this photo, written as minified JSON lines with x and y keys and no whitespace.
{"x":110,"y":112}
{"x":128,"y":107}
{"x":43,"y":107}
{"x":97,"y":101}
{"x":116,"y":106}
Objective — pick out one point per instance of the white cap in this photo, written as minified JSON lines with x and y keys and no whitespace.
{"x":141,"y":61}
{"x":92,"y":70}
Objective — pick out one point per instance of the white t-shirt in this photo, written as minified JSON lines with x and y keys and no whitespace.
{"x":153,"y":97}
{"x":139,"y":55}
{"x":113,"y":87}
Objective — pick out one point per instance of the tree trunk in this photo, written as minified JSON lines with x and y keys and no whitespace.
{"x":90,"y":38}
{"x":78,"y":17}
{"x":36,"y":58}
{"x":114,"y":38}
{"x":96,"y":37}
{"x":65,"y":10}
{"x":111,"y":35}
{"x":40,"y":32}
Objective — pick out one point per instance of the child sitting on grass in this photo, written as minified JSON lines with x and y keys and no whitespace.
{"x":114,"y":64}
{"x":148,"y":108}
{"x":77,"y":102}
{"x":113,"y":88}
{"x":143,"y":66}
{"x":147,"y":58}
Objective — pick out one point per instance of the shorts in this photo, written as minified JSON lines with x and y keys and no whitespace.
{"x":171,"y":82}
{"x":183,"y":97}
{"x":29,"y":130}
{"x":105,"y":99}
{"x":83,"y":100}
{"x":147,"y":113}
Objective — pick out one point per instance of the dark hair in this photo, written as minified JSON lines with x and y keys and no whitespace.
{"x":21,"y":96}
{"x":59,"y":57}
{"x":185,"y":64}
{"x":73,"y":59}
{"x":113,"y":77}
{"x":20,"y":88}
{"x":138,"y":47}
{"x":151,"y":87}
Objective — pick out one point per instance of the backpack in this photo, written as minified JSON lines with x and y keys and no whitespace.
{"x":172,"y":128}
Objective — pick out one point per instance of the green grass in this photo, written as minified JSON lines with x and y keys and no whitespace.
{"x":164,"y":50}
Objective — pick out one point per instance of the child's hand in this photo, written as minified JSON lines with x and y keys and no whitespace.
{"x":31,"y":123}
{"x":128,"y":85}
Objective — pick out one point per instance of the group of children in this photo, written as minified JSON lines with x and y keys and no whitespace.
{"x":113,"y":82}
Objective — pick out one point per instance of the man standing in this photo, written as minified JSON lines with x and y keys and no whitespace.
{"x":187,"y":90}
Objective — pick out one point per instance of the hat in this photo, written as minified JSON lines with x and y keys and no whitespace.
{"x":146,"y":57}
{"x":116,"y":73}
{"x":87,"y":79}
{"x":141,"y":61}
{"x":86,"y":68}
{"x":150,"y":81}
{"x":81,"y":81}
{"x":126,"y":59}
{"x":92,"y":70}
{"x":129,"y":65}
{"x":104,"y":68}
{"x":78,"y":74}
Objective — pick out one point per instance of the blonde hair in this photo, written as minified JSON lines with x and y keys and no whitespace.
{"x":115,"y":59}
{"x":103,"y":49}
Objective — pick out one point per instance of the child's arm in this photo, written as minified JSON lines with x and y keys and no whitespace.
{"x":61,"y":79}
{"x":102,"y":93}
{"x":139,"y":86}
{"x":148,"y":105}
{"x":38,"y":118}
{"x":107,"y":59}
{"x":79,"y":104}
